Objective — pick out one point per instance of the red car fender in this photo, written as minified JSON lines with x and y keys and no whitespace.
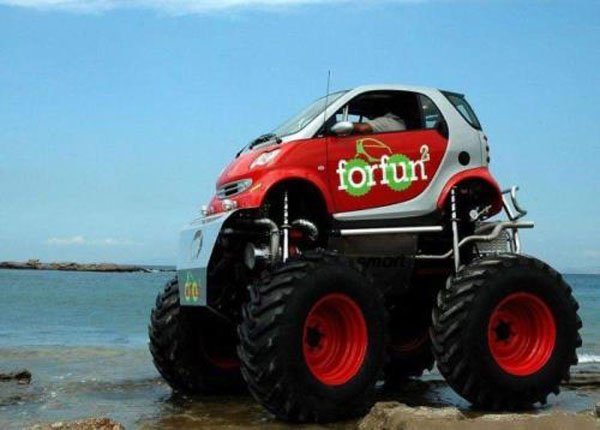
{"x":275,"y":177}
{"x":255,"y":196}
{"x":479,"y":173}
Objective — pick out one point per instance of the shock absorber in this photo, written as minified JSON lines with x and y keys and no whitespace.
{"x":454,"y":215}
{"x":286,"y":228}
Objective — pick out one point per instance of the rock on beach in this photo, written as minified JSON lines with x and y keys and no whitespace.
{"x":398,"y":416}
{"x":88,"y":424}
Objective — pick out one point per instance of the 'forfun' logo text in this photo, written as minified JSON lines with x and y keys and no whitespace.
{"x":396,"y":171}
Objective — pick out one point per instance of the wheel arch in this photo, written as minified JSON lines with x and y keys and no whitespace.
{"x":302,"y":186}
{"x":479,"y":177}
{"x":306,"y":200}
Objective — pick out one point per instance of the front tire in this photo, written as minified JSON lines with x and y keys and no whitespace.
{"x":505,"y":332}
{"x":312,"y":339}
{"x":192,"y":348}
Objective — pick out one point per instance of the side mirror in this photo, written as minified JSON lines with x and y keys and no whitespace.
{"x":342,"y":128}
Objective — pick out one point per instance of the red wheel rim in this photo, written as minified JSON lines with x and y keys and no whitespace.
{"x":522,"y":334}
{"x":412,"y":344}
{"x":224,"y":363}
{"x":335,"y":339}
{"x":217,"y":345}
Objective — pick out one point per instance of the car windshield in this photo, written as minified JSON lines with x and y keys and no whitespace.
{"x":302,"y":119}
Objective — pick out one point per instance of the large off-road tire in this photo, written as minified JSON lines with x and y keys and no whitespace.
{"x":312,"y":339}
{"x":409,"y":346}
{"x":505,"y":332}
{"x":192,"y":348}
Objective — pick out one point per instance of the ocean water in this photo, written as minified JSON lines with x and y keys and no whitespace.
{"x":84,"y":338}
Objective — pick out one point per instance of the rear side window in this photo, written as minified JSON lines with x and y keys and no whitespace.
{"x":430,"y":114}
{"x":463,"y":107}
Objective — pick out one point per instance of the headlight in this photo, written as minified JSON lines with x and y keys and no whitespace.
{"x":265,"y":158}
{"x":233,"y":188}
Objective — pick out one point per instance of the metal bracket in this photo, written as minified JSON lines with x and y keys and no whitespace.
{"x":520,"y":212}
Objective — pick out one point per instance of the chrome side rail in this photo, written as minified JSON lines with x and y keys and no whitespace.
{"x":514,"y":212}
{"x":497,"y":229}
{"x":389,"y":230}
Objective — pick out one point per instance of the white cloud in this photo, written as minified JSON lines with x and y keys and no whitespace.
{"x":82,"y":241}
{"x":176,"y":6}
{"x":65,"y":241}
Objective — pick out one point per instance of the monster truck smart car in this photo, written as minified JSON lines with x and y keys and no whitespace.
{"x":329,"y":261}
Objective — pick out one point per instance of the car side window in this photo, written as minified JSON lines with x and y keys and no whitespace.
{"x":390,"y":111}
{"x":430,"y":114}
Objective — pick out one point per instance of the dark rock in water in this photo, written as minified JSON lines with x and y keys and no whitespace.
{"x":16,"y":388}
{"x":70,"y":266}
{"x":89,"y":424}
{"x":20,"y":376}
{"x":598,"y":410}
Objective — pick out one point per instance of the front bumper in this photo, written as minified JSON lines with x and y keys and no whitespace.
{"x":196,"y":244}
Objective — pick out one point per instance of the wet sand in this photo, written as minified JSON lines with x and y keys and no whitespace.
{"x":77,"y":383}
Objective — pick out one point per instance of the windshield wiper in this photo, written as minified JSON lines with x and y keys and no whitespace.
{"x":264,"y":138}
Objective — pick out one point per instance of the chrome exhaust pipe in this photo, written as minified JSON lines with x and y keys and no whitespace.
{"x":273,"y":235}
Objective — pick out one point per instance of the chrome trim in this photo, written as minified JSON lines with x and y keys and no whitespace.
{"x":286,"y":228}
{"x":455,"y":238}
{"x":390,"y":230}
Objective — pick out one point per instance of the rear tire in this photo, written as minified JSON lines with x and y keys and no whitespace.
{"x":312,"y":339}
{"x":409,"y":346}
{"x":505,"y":332}
{"x":192,"y":348}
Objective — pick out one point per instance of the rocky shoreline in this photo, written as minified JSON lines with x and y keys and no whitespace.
{"x":77,"y":267}
{"x":398,"y":416}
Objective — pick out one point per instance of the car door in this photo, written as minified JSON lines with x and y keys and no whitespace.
{"x":369,"y":171}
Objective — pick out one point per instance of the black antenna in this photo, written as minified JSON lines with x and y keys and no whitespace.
{"x":326,"y":100}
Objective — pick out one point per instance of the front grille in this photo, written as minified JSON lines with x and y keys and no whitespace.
{"x":233,"y":188}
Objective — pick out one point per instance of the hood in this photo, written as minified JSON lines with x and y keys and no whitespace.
{"x":239,"y":168}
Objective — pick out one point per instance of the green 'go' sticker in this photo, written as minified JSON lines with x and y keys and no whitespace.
{"x":357,"y":168}
{"x":398,"y":172}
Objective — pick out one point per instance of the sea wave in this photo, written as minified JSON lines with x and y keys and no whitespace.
{"x":589,"y":358}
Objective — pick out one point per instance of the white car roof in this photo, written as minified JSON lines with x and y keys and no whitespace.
{"x":394,"y":87}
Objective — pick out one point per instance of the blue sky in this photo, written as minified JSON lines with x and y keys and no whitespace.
{"x":116,"y":117}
